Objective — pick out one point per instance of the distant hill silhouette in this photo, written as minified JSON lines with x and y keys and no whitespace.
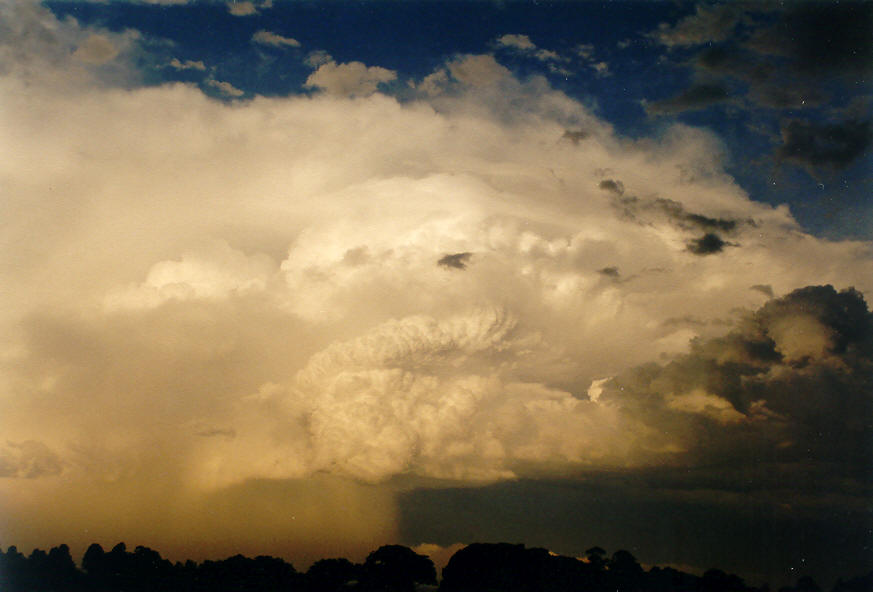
{"x":479,"y":567}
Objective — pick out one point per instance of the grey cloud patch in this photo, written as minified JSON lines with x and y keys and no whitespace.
{"x":833,"y":145}
{"x":698,"y":96}
{"x":455,"y":260}
{"x":613,"y":186}
{"x":28,"y":460}
{"x":765,"y":289}
{"x":707,"y":244}
{"x":609,"y":272}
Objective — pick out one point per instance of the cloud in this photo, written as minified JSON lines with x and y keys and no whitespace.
{"x":765,"y":289}
{"x":699,"y":96}
{"x":351,"y":79}
{"x":215,"y":271}
{"x":613,"y":186}
{"x":225,"y":88}
{"x":521,"y":42}
{"x":455,"y":261}
{"x":317,"y":58}
{"x":29,"y":459}
{"x":266,"y":268}
{"x":96,"y":49}
{"x":241,"y":8}
{"x":187,"y":65}
{"x":706,"y":24}
{"x":274,"y":39}
{"x":585,"y":50}
{"x":707,"y":244}
{"x":832,"y":145}
{"x":523,"y":45}
{"x":601,"y":68}
{"x":787,"y":374}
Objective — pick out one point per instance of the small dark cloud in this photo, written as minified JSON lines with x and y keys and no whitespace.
{"x":609,"y":272}
{"x":575,"y":136}
{"x":833,"y":145}
{"x":678,"y":213}
{"x":613,"y":186}
{"x":228,"y":433}
{"x":698,"y":96}
{"x":765,"y":289}
{"x":714,"y":223}
{"x":707,"y":244}
{"x":455,"y":261}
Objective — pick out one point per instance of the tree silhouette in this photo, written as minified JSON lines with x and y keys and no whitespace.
{"x":332,"y":575}
{"x":395,"y":568}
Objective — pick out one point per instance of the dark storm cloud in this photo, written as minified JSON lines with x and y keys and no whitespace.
{"x":455,"y":261}
{"x":698,"y":96}
{"x":707,"y":244}
{"x":28,"y":460}
{"x":833,"y":145}
{"x":794,"y":383}
{"x":609,"y":272}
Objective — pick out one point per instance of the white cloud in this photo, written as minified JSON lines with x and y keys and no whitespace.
{"x":601,"y":68}
{"x":225,"y":87}
{"x":237,"y":8}
{"x":187,"y":64}
{"x":274,"y":39}
{"x":353,"y":79}
{"x":523,"y":44}
{"x":316,"y":58}
{"x":517,"y":41}
{"x":585,"y":50}
{"x":96,"y":49}
{"x":216,"y":271}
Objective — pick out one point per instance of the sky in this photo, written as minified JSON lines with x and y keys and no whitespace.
{"x":303,"y":279}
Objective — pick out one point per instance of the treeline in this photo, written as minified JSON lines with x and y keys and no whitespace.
{"x":479,"y":567}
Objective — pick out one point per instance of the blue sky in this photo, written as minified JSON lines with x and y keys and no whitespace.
{"x":303,"y":279}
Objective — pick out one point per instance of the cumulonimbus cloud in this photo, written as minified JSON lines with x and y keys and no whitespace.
{"x":253,"y":286}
